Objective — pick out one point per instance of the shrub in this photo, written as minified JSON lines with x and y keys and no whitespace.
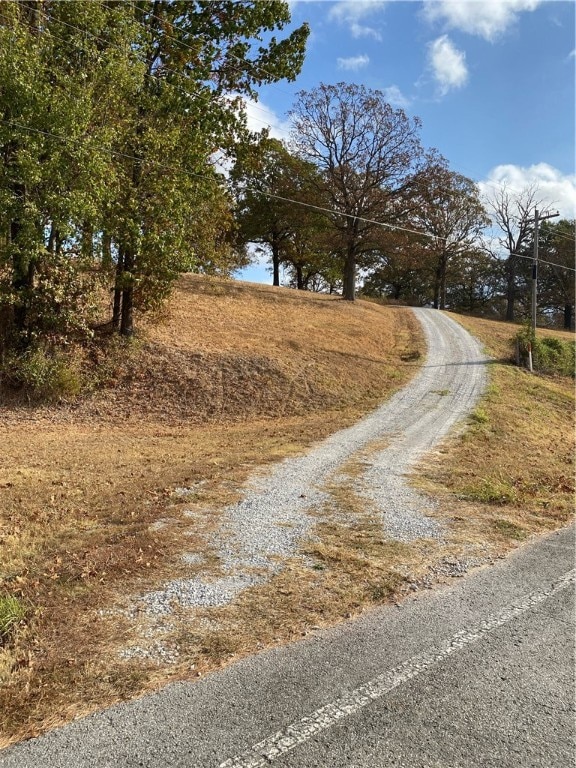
{"x":41,"y":375}
{"x":549,"y":355}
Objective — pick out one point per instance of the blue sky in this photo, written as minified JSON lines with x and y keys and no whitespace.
{"x":493,"y":82}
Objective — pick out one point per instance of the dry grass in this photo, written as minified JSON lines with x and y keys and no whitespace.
{"x":511,"y":473}
{"x":234,"y":376}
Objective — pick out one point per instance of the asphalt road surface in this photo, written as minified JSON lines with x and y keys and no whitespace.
{"x":476,"y":673}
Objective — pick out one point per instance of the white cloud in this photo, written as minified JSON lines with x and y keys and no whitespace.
{"x":260,"y":116}
{"x":353,"y":62}
{"x":350,"y":12}
{"x":486,"y":18}
{"x":345,"y":10}
{"x":395,"y":97}
{"x":556,"y":190}
{"x":448,"y":64}
{"x":358,"y":30}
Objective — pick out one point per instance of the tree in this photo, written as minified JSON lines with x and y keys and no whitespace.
{"x":512,"y":213}
{"x":54,"y":165}
{"x":556,"y":279}
{"x":474,"y":283}
{"x":265,"y":179}
{"x":111,"y":115}
{"x":277,"y":207}
{"x":367,"y":153}
{"x":199,"y":62}
{"x":447,"y":208}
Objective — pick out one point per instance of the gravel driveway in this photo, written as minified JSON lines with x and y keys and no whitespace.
{"x":273,"y":517}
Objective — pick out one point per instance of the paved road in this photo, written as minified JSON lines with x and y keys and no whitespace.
{"x":477,"y":673}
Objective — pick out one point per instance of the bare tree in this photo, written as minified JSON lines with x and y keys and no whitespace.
{"x":368,"y":154}
{"x":513,"y":213}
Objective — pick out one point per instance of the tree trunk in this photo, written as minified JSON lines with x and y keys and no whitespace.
{"x":87,"y":245}
{"x":436,"y":300}
{"x":131,"y":245}
{"x":510,"y":288}
{"x":440,"y":289}
{"x":22,"y":276}
{"x":275,"y":261}
{"x":127,"y":316}
{"x":349,"y":281}
{"x":106,"y":251}
{"x":568,"y":315}
{"x":117,"y":308}
{"x":299,"y":278}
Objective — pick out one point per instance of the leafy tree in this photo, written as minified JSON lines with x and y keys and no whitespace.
{"x":265,"y":179}
{"x":197,"y":55}
{"x":54,"y":163}
{"x":556,"y":280}
{"x":277,"y":207}
{"x":111,"y":116}
{"x":400,"y":273}
{"x":447,"y":208}
{"x":474,"y":284}
{"x":367,"y":153}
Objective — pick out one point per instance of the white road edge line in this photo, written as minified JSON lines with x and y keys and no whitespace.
{"x":263,"y":753}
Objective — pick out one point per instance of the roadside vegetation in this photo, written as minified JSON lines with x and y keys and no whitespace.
{"x":512,"y":469}
{"x":231,"y":377}
{"x":126,"y":161}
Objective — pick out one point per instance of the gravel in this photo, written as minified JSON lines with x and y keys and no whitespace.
{"x":273,"y":517}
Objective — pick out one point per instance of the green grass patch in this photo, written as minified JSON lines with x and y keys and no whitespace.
{"x":491,"y":491}
{"x":479,"y":416}
{"x":509,"y":529}
{"x":12,"y":613}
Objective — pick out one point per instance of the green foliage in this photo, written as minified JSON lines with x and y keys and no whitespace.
{"x":557,"y":279}
{"x":112,"y":116}
{"x":41,"y":375}
{"x":550,"y":355}
{"x":12,"y":612}
{"x":273,"y":190}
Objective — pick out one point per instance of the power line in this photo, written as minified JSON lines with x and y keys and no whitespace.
{"x":332,"y":212}
{"x":255,"y":67}
{"x":274,"y":85}
{"x":322,"y":209}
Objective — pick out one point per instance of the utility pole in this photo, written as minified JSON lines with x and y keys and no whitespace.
{"x":537,"y":219}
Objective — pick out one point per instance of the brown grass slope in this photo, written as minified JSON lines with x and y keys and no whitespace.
{"x":234,"y":376}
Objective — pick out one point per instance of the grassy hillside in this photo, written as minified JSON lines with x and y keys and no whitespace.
{"x":231,"y":377}
{"x":510,"y":474}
